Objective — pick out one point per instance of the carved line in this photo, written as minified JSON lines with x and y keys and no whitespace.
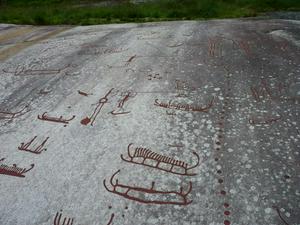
{"x":102,"y":101}
{"x":148,"y":191}
{"x":244,"y":46}
{"x":66,"y":221}
{"x":54,"y":119}
{"x":111,"y":219}
{"x":213,"y":45}
{"x":122,"y":101}
{"x":10,"y":115}
{"x":265,"y":86}
{"x":83,"y":93}
{"x":130,"y":60}
{"x":147,"y":154}
{"x":255,"y":93}
{"x":263,"y":90}
{"x":13,"y":170}
{"x":37,"y":150}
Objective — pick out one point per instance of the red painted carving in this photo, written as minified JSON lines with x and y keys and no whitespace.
{"x":111,"y":219}
{"x":185,"y":107}
{"x":83,"y":93}
{"x":214,"y":48}
{"x":125,"y":190}
{"x":266,"y":87}
{"x":255,"y":93}
{"x":130,"y":60}
{"x":211,"y":47}
{"x":13,"y":170}
{"x":145,"y":157}
{"x":244,"y":46}
{"x":4,"y":115}
{"x":37,"y":150}
{"x":100,"y":104}
{"x":120,"y":108}
{"x":66,"y":220}
{"x":276,"y":92}
{"x":263,"y":121}
{"x":54,"y":119}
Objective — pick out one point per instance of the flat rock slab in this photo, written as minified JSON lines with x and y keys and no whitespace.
{"x":191,"y":122}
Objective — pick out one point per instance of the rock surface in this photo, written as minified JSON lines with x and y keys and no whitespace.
{"x":226,"y":91}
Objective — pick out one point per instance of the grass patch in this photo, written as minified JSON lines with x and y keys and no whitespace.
{"x":88,"y":12}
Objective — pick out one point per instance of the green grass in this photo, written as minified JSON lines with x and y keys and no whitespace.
{"x":81,"y":12}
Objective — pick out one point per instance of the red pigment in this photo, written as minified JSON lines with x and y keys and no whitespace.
{"x":227,"y":213}
{"x":85,"y":121}
{"x":82,"y":93}
{"x":223,"y":192}
{"x":226,"y":205}
{"x":182,"y":195}
{"x":227,"y":222}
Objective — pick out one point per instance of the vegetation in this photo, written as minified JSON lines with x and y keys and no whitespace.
{"x":84,"y":12}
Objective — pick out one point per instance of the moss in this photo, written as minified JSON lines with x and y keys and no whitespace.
{"x":84,"y":12}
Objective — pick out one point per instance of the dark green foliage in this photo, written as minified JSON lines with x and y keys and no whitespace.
{"x":41,"y":12}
